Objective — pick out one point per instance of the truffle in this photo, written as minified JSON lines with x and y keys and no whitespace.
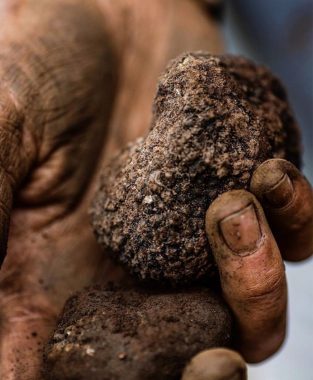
{"x":116,"y":334}
{"x":216,"y":118}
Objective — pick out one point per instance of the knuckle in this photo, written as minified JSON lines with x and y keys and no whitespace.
{"x":267,"y":290}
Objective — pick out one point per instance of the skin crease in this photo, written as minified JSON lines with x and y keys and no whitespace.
{"x":59,"y":122}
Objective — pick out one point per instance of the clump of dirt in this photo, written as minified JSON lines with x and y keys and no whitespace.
{"x":216,"y":118}
{"x":118,"y":334}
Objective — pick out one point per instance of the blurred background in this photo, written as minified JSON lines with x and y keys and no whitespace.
{"x":279,"y":34}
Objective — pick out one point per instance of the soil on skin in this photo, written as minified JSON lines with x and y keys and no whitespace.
{"x":116,"y":334}
{"x":216,"y":118}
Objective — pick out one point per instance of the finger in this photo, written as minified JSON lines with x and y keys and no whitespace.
{"x":216,"y":364}
{"x":287,"y":198}
{"x":251,"y":272}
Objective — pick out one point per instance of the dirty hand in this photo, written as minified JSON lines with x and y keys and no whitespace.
{"x":249,"y":243}
{"x":251,"y":233}
{"x":58,"y":70}
{"x":58,"y":67}
{"x":56,"y":93}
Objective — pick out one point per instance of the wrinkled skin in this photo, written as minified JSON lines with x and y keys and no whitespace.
{"x":68,"y":90}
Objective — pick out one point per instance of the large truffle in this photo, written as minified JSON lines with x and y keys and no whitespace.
{"x":216,"y":118}
{"x":133,"y":334}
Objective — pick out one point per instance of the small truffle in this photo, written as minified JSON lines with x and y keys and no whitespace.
{"x":116,"y":334}
{"x":216,"y":119}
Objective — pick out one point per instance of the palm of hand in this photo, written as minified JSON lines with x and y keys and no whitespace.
{"x":51,"y":250}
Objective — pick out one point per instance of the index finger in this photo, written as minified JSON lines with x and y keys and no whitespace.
{"x":287,"y":198}
{"x":251,"y":272}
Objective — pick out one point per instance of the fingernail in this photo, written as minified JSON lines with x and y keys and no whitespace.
{"x":281,"y":193}
{"x":241,"y":230}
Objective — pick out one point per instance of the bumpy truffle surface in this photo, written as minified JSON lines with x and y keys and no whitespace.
{"x":216,"y":118}
{"x":120,"y":334}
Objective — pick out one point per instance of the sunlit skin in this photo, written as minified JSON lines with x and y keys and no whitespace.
{"x":72,"y":93}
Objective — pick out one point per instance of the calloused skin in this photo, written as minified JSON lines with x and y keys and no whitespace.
{"x":77,"y":82}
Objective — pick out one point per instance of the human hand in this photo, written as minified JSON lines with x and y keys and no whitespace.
{"x":249,"y":253}
{"x":57,"y":89}
{"x":51,"y":249}
{"x":56,"y":93}
{"x":251,"y":233}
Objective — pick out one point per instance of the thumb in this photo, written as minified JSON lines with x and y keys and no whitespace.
{"x":251,"y":272}
{"x":216,"y":364}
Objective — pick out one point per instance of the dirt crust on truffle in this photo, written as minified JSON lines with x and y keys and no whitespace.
{"x":116,"y":334}
{"x":216,"y":119}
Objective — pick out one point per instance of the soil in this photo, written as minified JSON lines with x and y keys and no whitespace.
{"x":118,"y":334}
{"x":216,"y":118}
